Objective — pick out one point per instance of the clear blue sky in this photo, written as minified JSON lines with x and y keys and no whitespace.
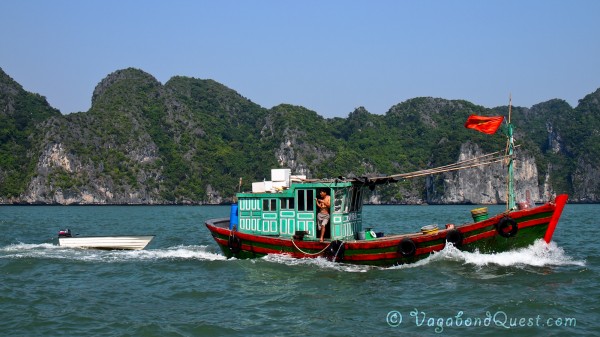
{"x":329,"y":56}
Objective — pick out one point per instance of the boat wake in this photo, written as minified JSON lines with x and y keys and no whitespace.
{"x":51,"y":251}
{"x":319,"y":262}
{"x":538,"y":254}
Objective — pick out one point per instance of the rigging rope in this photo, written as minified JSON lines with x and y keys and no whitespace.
{"x":486,"y":159}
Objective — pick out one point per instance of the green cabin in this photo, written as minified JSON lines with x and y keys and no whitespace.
{"x":288,"y":206}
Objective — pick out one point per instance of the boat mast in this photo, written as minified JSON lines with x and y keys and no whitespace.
{"x":510,"y":200}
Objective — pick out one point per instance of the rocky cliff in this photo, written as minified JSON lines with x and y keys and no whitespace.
{"x":480,"y":185}
{"x":189,"y":141}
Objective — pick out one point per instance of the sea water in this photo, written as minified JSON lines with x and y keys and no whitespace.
{"x":182,"y":285}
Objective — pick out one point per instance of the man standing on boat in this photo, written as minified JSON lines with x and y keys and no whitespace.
{"x":323,"y":217}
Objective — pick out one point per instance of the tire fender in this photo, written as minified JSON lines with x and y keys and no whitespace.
{"x":507,"y":227}
{"x":455,"y":237}
{"x":407,"y":247}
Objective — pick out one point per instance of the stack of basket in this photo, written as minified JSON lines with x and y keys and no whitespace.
{"x":479,"y":214}
{"x":429,"y":229}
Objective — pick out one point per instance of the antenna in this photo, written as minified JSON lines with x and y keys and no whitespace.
{"x":509,"y":106}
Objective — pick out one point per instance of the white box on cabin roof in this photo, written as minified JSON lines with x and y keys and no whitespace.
{"x":281,"y":175}
{"x":258,"y":187}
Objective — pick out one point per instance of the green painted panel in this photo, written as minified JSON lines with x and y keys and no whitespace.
{"x":270,"y":216}
{"x":288,"y":214}
{"x":306,"y":226}
{"x":306,"y":216}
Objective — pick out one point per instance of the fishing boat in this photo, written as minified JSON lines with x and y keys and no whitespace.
{"x":280,"y":217}
{"x":116,"y":242}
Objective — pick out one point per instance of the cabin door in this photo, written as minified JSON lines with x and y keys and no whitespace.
{"x":306,"y":217}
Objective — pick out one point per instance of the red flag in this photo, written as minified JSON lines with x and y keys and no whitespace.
{"x":484,"y":124}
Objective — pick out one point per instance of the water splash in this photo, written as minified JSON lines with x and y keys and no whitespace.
{"x":538,"y":254}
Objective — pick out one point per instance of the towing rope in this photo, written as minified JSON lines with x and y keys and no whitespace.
{"x":312,"y":254}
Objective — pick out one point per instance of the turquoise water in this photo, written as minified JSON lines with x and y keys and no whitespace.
{"x":181,"y":285}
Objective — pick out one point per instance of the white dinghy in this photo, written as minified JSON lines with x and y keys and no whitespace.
{"x":116,"y":242}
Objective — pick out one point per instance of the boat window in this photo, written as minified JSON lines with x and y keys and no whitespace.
{"x":340,"y":197}
{"x":310,"y":200}
{"x":306,"y":200}
{"x":273,"y":204}
{"x":269,"y":205}
{"x":351,"y":198}
{"x":355,"y":198}
{"x":287,"y":203}
{"x":359,"y":199}
{"x":301,"y":199}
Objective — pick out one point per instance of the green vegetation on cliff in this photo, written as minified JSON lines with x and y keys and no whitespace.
{"x":20,"y":111}
{"x":190,"y":141}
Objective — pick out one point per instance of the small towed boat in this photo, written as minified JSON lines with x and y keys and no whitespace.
{"x":116,"y":242}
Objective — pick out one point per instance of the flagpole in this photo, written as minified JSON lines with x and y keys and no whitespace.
{"x":510,"y":200}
